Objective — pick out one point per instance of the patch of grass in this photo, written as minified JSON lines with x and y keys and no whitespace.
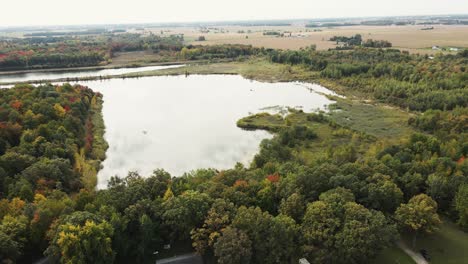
{"x":448,"y":245}
{"x":138,"y":57}
{"x":267,"y":121}
{"x":263,"y":70}
{"x":257,"y":69}
{"x":381,"y":121}
{"x":177,"y":248}
{"x":330,"y":137}
{"x":263,"y":121}
{"x":393,"y":255}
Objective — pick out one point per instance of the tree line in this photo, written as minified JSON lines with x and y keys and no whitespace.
{"x":409,"y":81}
{"x":77,"y":51}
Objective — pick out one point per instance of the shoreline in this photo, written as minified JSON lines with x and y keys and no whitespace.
{"x":91,"y":68}
{"x":109,"y":66}
{"x":144,"y":73}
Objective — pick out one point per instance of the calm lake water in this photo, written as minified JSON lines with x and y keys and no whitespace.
{"x":184,"y":123}
{"x":50,"y":75}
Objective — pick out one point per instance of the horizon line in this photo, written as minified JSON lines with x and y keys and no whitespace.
{"x":228,"y":21}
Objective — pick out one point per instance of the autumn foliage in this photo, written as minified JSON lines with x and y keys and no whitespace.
{"x":273,"y":178}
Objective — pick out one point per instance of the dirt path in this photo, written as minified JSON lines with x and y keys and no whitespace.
{"x":418,"y":258}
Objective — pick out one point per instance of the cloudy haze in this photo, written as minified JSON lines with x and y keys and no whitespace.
{"x":64,"y":12}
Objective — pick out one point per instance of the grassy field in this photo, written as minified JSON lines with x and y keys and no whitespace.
{"x":378,"y":120}
{"x":256,"y":69}
{"x":136,"y":57}
{"x":329,"y":138}
{"x":409,"y":37}
{"x":449,"y":245}
{"x":393,"y":255}
{"x":262,"y":121}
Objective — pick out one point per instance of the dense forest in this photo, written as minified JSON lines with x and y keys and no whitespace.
{"x":77,"y":51}
{"x":51,"y":145}
{"x":191,"y":52}
{"x":344,"y":205}
{"x":409,"y":81}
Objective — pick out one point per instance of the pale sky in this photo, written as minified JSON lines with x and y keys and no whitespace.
{"x":66,"y":12}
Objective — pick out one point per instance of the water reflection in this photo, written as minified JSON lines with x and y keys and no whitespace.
{"x":51,"y":75}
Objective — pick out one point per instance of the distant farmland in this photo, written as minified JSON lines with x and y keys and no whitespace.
{"x":411,"y":38}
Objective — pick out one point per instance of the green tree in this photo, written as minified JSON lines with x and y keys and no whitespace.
{"x":364,"y":233}
{"x":461,"y":205}
{"x":47,"y":210}
{"x":80,"y":237}
{"x":158,"y":182}
{"x":148,"y":239}
{"x":293,"y":206}
{"x":442,"y":187}
{"x":314,"y":181}
{"x":335,"y":230}
{"x":382,"y":193}
{"x":233,"y":247}
{"x":283,"y":236}
{"x":256,"y":224}
{"x":185,"y":212}
{"x":273,"y":238}
{"x":10,"y":250}
{"x":90,"y":243}
{"x":13,"y":237}
{"x":219,"y":217}
{"x":338,"y":195}
{"x":137,"y":231}
{"x":266,"y":196}
{"x":411,"y":184}
{"x":318,"y":230}
{"x":419,"y":215}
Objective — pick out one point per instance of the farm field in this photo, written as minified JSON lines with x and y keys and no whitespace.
{"x":135,"y":57}
{"x":410,"y":38}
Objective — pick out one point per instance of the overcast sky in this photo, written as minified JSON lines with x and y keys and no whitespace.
{"x":65,"y":12}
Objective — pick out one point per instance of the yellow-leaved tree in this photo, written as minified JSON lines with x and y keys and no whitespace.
{"x":418,"y":216}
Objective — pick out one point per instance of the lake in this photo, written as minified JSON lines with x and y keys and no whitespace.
{"x":181,"y":123}
{"x":51,"y":75}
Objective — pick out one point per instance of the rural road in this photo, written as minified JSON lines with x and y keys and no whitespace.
{"x":44,"y":260}
{"x":191,"y":258}
{"x":418,"y":258}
